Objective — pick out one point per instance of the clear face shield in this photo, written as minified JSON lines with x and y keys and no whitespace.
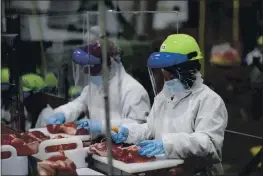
{"x":87,"y":59}
{"x":155,"y":68}
{"x":179,"y":73}
{"x":82,"y":61}
{"x":82,"y":65}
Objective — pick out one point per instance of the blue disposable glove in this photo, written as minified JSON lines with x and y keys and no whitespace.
{"x":121,"y":136}
{"x":94,"y":127}
{"x":56,"y":119}
{"x":84,"y":123}
{"x":151,"y":148}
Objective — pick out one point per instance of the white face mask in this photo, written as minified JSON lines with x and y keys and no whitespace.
{"x":97,"y":80}
{"x":174,"y":86}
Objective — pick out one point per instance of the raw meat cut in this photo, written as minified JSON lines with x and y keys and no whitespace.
{"x":32,"y":141}
{"x":37,"y":135}
{"x":101,"y":148}
{"x":34,"y":136}
{"x":57,"y":165}
{"x":130,"y":155}
{"x":125,"y":154}
{"x":19,"y":144}
{"x":26,"y":144}
{"x":6,"y":140}
{"x":69,"y":128}
{"x":54,"y":129}
{"x":56,"y":148}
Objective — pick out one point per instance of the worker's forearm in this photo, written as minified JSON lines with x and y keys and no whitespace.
{"x":71,"y":110}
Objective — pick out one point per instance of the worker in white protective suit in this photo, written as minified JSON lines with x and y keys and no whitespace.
{"x":128,"y":100}
{"x":187,"y":117}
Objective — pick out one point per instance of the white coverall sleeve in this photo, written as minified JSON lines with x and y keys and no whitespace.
{"x":141,"y":132}
{"x":207,"y":138}
{"x":73,"y":109}
{"x":135,"y":108}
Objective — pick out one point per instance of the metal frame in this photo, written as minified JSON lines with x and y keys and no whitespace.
{"x":105,"y":73}
{"x":202,"y":16}
{"x":235,"y":20}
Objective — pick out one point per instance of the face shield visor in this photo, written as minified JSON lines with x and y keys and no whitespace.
{"x":85,"y":63}
{"x":174,"y":66}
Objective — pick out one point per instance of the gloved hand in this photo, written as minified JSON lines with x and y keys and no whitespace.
{"x":56,"y":119}
{"x":94,"y":127}
{"x":151,"y":147}
{"x":121,"y":136}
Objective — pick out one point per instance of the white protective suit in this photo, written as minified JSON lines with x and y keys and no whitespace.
{"x":192,"y":124}
{"x":128,"y":104}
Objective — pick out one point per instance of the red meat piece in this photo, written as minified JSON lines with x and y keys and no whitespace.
{"x":34,"y":136}
{"x":6,"y":139}
{"x":125,"y":154}
{"x":54,"y":129}
{"x":130,"y":155}
{"x":99,"y":149}
{"x":69,"y":128}
{"x":32,"y":140}
{"x":57,"y":165}
{"x":38,"y":135}
{"x":81,"y":131}
{"x":23,"y":148}
{"x":27,"y":144}
{"x":19,"y":144}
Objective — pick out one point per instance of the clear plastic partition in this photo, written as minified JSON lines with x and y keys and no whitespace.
{"x":136,"y":34}
{"x":128,"y":33}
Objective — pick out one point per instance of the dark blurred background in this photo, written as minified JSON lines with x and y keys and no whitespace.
{"x":48,"y":30}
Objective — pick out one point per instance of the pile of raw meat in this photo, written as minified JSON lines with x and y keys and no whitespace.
{"x":57,"y":165}
{"x":125,"y":154}
{"x":69,"y":128}
{"x":26,"y":144}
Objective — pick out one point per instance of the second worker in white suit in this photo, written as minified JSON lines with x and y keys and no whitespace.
{"x":128,"y":100}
